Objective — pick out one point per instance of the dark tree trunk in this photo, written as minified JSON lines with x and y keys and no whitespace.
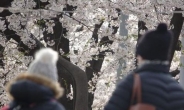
{"x":1,"y":56}
{"x":95,"y":65}
{"x":177,"y":23}
{"x":68,"y":71}
{"x":141,"y":27}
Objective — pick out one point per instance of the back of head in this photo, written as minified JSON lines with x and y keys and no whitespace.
{"x":155,"y":44}
{"x":44,"y":64}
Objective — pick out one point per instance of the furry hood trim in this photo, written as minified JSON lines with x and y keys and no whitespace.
{"x":54,"y":86}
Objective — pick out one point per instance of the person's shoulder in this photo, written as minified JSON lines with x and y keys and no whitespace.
{"x":129,"y":76}
{"x":52,"y":105}
{"x":59,"y":106}
{"x":126,"y":79}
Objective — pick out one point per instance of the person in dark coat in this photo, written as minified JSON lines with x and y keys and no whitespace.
{"x":158,"y":87}
{"x":37,"y":89}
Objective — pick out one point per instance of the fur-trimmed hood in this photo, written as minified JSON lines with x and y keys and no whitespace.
{"x":32,"y":87}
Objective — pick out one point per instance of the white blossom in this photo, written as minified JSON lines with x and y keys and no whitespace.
{"x":26,"y":22}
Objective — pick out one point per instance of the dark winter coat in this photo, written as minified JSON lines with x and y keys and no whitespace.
{"x":158,"y":89}
{"x":30,"y":92}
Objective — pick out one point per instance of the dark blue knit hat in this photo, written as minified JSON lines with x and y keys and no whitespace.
{"x":155,"y":44}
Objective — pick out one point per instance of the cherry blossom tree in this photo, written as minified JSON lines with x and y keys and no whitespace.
{"x":85,"y":33}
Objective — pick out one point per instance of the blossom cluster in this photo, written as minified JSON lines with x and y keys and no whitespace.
{"x":27,"y":22}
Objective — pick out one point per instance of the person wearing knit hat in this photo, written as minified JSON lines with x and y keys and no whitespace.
{"x":155,"y":45}
{"x":38,"y":88}
{"x":159,"y":90}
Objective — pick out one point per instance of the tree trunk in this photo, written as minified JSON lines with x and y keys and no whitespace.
{"x":177,"y":23}
{"x":66,"y":70}
{"x":182,"y":64}
{"x":141,"y":26}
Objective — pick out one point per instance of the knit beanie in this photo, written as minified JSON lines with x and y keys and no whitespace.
{"x":44,"y":64}
{"x":155,"y":44}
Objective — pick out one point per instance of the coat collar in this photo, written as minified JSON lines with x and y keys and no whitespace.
{"x":153,"y":67}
